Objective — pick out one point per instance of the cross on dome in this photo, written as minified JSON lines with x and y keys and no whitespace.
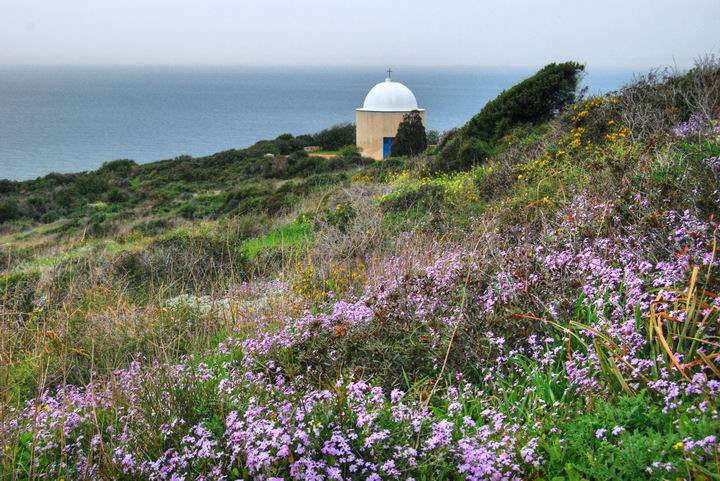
{"x":390,"y":96}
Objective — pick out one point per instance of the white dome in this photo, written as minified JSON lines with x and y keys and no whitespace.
{"x":389,"y":96}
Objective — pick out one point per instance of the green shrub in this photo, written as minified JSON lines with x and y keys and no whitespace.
{"x":335,"y":137}
{"x":116,"y":196}
{"x":287,"y":144}
{"x":680,"y":175}
{"x":7,"y":186}
{"x":411,"y":138}
{"x":122,"y":168}
{"x":191,"y":171}
{"x":279,"y":203}
{"x":246,"y":199}
{"x":37,"y":206}
{"x":261,"y":148}
{"x":433,"y":137}
{"x":532,"y":101}
{"x":349,"y":151}
{"x":92,"y":186}
{"x":163,"y":186}
{"x":65,"y":200}
{"x":9,"y":210}
{"x":188,"y":210}
{"x":474,"y":151}
{"x":643,"y":435}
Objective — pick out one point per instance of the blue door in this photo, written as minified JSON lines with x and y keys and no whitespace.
{"x":387,"y":146}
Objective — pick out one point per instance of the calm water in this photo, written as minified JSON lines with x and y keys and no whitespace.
{"x":69,"y":119}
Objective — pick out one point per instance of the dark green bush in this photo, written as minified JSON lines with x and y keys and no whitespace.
{"x":118,"y":168}
{"x":227,"y":157}
{"x":351,"y":151}
{"x":9,"y":210}
{"x":261,"y":148}
{"x":532,"y":101}
{"x":191,"y":172}
{"x":117,"y":196}
{"x":37,"y":206}
{"x":411,"y":138}
{"x":335,"y":137}
{"x":287,"y":144}
{"x":65,"y":200}
{"x":474,"y":151}
{"x":7,"y":186}
{"x":188,"y":210}
{"x":92,"y":186}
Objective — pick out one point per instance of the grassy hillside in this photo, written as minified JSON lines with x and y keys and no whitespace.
{"x":547,"y":311}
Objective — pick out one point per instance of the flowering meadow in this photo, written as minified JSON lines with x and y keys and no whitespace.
{"x":553,"y":314}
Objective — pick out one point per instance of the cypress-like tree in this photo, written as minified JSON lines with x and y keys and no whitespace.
{"x":411,"y":138}
{"x":532,"y":101}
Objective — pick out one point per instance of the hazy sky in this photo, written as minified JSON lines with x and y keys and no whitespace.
{"x":626,"y":33}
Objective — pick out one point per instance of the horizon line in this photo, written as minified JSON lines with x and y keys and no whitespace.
{"x":343,"y":65}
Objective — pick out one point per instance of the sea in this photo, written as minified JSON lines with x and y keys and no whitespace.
{"x":75,"y":118}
